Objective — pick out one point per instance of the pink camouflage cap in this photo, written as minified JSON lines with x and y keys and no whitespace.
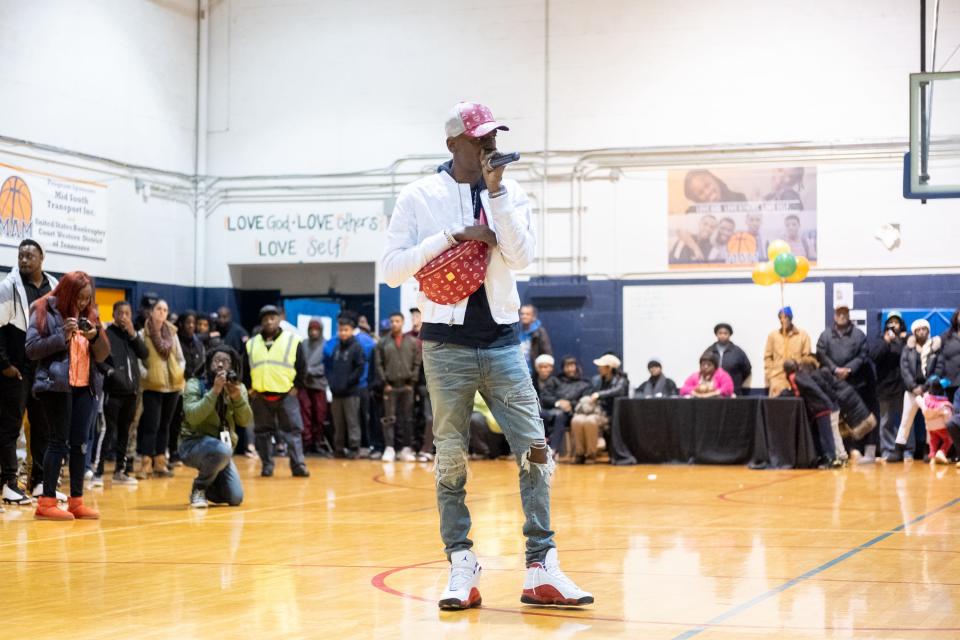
{"x":473,"y":119}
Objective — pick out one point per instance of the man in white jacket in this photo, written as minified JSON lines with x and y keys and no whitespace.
{"x":23,"y":285}
{"x":474,"y":345}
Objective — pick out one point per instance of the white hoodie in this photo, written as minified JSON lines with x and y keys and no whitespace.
{"x":13,"y":300}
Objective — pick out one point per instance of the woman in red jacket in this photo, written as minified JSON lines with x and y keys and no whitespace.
{"x":66,"y":339}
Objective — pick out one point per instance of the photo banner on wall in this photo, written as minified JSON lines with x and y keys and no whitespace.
{"x":66,"y":216}
{"x":726,"y":217}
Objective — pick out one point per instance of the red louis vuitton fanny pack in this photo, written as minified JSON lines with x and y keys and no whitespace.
{"x":455,"y":274}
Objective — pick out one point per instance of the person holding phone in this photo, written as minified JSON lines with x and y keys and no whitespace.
{"x":121,"y":372}
{"x":213,"y":405}
{"x":885,"y":353}
{"x":162,"y":386}
{"x":66,"y":340}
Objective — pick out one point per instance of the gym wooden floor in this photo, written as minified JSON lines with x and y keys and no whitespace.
{"x":353,"y":551}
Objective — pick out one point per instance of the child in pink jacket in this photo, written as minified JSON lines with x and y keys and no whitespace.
{"x":937,"y":410}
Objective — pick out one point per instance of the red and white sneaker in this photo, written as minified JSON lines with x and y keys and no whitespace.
{"x":462,"y":591}
{"x":546,"y":584}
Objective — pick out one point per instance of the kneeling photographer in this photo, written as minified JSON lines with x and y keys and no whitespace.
{"x":213,"y":405}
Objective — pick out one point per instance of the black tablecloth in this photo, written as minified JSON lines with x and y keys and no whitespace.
{"x":759,"y":432}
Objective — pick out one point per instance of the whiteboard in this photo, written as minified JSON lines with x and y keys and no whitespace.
{"x":674,"y":323}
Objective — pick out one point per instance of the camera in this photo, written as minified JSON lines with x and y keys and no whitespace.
{"x":83,"y":324}
{"x":233,"y":377}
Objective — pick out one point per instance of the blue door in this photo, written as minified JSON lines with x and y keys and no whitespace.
{"x":301,"y":310}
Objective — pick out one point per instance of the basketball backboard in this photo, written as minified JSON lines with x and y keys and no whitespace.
{"x":932,"y":168}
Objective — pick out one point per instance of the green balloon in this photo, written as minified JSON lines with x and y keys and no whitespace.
{"x":785,"y":264}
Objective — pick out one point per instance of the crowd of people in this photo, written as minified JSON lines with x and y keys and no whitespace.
{"x":151,"y":391}
{"x":141,"y":391}
{"x":882,"y":401}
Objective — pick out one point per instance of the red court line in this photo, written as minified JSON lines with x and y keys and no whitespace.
{"x":379,"y":479}
{"x":200,"y":563}
{"x":724,"y":496}
{"x":793,"y":476}
{"x":379,"y":582}
{"x":424,"y":566}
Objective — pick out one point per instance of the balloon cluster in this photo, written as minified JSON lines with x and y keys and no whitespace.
{"x":783,"y":266}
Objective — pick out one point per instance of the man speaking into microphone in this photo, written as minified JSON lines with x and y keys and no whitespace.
{"x":462,"y":233}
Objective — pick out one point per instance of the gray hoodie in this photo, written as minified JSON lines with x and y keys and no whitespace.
{"x":316,"y":375}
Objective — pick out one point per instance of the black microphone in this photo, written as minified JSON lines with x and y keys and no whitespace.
{"x":500,"y":159}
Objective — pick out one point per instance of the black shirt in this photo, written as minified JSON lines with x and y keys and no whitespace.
{"x":13,"y":341}
{"x":479,"y":330}
{"x":34,"y":293}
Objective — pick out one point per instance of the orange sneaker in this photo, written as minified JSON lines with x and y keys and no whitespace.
{"x":80,"y":512}
{"x":47,"y":509}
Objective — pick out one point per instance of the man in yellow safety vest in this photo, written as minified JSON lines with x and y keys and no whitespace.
{"x":277,"y":366}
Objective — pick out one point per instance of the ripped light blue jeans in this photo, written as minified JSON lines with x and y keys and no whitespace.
{"x":454,"y":375}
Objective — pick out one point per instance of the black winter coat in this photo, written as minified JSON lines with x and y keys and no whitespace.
{"x":664,"y":386}
{"x":843,"y":396}
{"x":617,"y":386}
{"x":348,"y":362}
{"x":948,"y":362}
{"x":886,"y":360}
{"x":815,"y":398}
{"x":195,"y":355}
{"x":910,"y":369}
{"x":852,"y":408}
{"x":847,"y":349}
{"x":572,"y":389}
{"x":548,"y":391}
{"x":735,"y":362}
{"x":234,"y":336}
{"x":121,"y":369}
{"x":825,"y":380}
{"x":848,"y":401}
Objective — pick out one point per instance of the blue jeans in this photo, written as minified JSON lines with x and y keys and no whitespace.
{"x":454,"y":375}
{"x":218,"y":475}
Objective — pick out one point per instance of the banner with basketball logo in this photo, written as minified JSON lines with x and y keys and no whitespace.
{"x":64,"y":215}
{"x":725,"y":217}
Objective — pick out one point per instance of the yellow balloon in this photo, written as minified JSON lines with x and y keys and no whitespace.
{"x":776,"y":248}
{"x":803,"y":268}
{"x":764,"y":275}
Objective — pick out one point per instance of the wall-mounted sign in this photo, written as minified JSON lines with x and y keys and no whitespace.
{"x":251,"y":237}
{"x":65,"y":216}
